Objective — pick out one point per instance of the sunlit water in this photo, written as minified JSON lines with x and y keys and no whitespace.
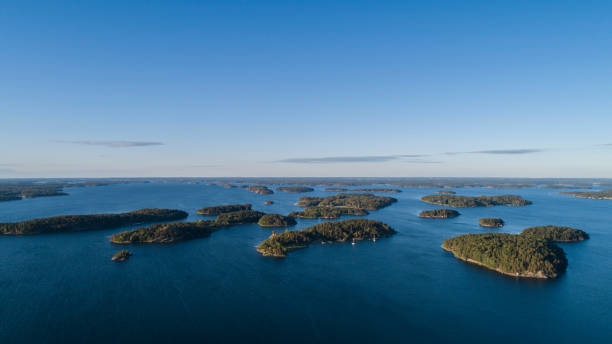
{"x":64,"y":287}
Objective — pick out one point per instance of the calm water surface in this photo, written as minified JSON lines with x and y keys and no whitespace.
{"x":64,"y":287}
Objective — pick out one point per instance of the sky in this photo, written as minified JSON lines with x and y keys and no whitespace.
{"x":305,"y":88}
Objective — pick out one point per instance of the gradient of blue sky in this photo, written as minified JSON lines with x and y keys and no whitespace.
{"x":305,"y":88}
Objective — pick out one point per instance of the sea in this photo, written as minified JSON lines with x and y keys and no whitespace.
{"x":64,"y":288}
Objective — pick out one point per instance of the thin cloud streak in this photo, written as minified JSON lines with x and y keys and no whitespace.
{"x":115,"y":144}
{"x":500,"y":151}
{"x":349,"y":159}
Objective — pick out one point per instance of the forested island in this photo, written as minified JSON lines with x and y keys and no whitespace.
{"x":278,"y":245}
{"x":359,"y":201}
{"x":327,"y":212}
{"x":439,"y":214}
{"x":276,"y":220}
{"x":379,"y":190}
{"x":294,"y":189}
{"x":239,"y":217}
{"x":471,"y":202}
{"x":556,"y":233}
{"x":261,"y":190}
{"x":77,"y":223}
{"x":491,"y":222}
{"x":121,"y":256}
{"x":604,"y":194}
{"x":446,"y":192}
{"x":166,"y":233}
{"x":532,"y":253}
{"x":220,"y":209}
{"x":510,"y":254}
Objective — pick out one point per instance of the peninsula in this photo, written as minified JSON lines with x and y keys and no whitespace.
{"x":77,"y":223}
{"x":278,"y":245}
{"x":472,"y":202}
{"x":439,"y":214}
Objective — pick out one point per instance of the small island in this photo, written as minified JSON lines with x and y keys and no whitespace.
{"x":359,"y":201}
{"x":604,"y":194}
{"x":295,"y":189}
{"x":327,"y":212}
{"x":472,"y":202}
{"x":166,"y":233}
{"x":239,"y":217}
{"x":260,"y":190}
{"x":491,"y":222}
{"x":510,"y":254}
{"x":446,"y":192}
{"x":439,"y":214}
{"x":220,"y":209}
{"x":276,"y":220}
{"x":556,"y":233}
{"x":278,"y":245}
{"x":121,"y":256}
{"x":379,"y":190}
{"x":77,"y":223}
{"x":268,"y":202}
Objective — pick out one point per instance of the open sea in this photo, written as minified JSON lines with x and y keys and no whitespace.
{"x":64,"y":288}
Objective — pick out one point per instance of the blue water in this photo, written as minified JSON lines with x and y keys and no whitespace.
{"x":64,"y":288}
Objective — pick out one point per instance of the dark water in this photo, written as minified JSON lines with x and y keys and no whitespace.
{"x":64,"y":288}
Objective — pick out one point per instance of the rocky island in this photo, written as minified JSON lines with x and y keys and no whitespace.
{"x":220,"y":209}
{"x":77,"y":223}
{"x":295,"y":189}
{"x":278,"y":245}
{"x":491,"y":222}
{"x":439,"y":214}
{"x":268,"y":202}
{"x":276,"y":220}
{"x":327,"y":212}
{"x":121,"y":256}
{"x":472,"y":202}
{"x":510,"y":254}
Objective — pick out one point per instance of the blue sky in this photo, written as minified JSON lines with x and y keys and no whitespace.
{"x":305,"y":88}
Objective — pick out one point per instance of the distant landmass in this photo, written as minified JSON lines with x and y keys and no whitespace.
{"x":604,"y":194}
{"x":379,"y":190}
{"x":77,"y":223}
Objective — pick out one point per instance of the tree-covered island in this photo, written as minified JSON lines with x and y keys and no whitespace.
{"x":261,"y":190}
{"x":359,"y":201}
{"x":439,"y":214}
{"x":510,"y":254}
{"x":327,"y":212}
{"x":604,"y":194}
{"x":239,"y":217}
{"x":556,"y":233}
{"x":166,"y":233}
{"x":491,"y":222}
{"x":220,"y":209}
{"x":446,"y":192}
{"x":77,"y":223}
{"x":370,"y":190}
{"x":295,"y":189}
{"x":472,"y":202}
{"x":278,"y":245}
{"x":276,"y":220}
